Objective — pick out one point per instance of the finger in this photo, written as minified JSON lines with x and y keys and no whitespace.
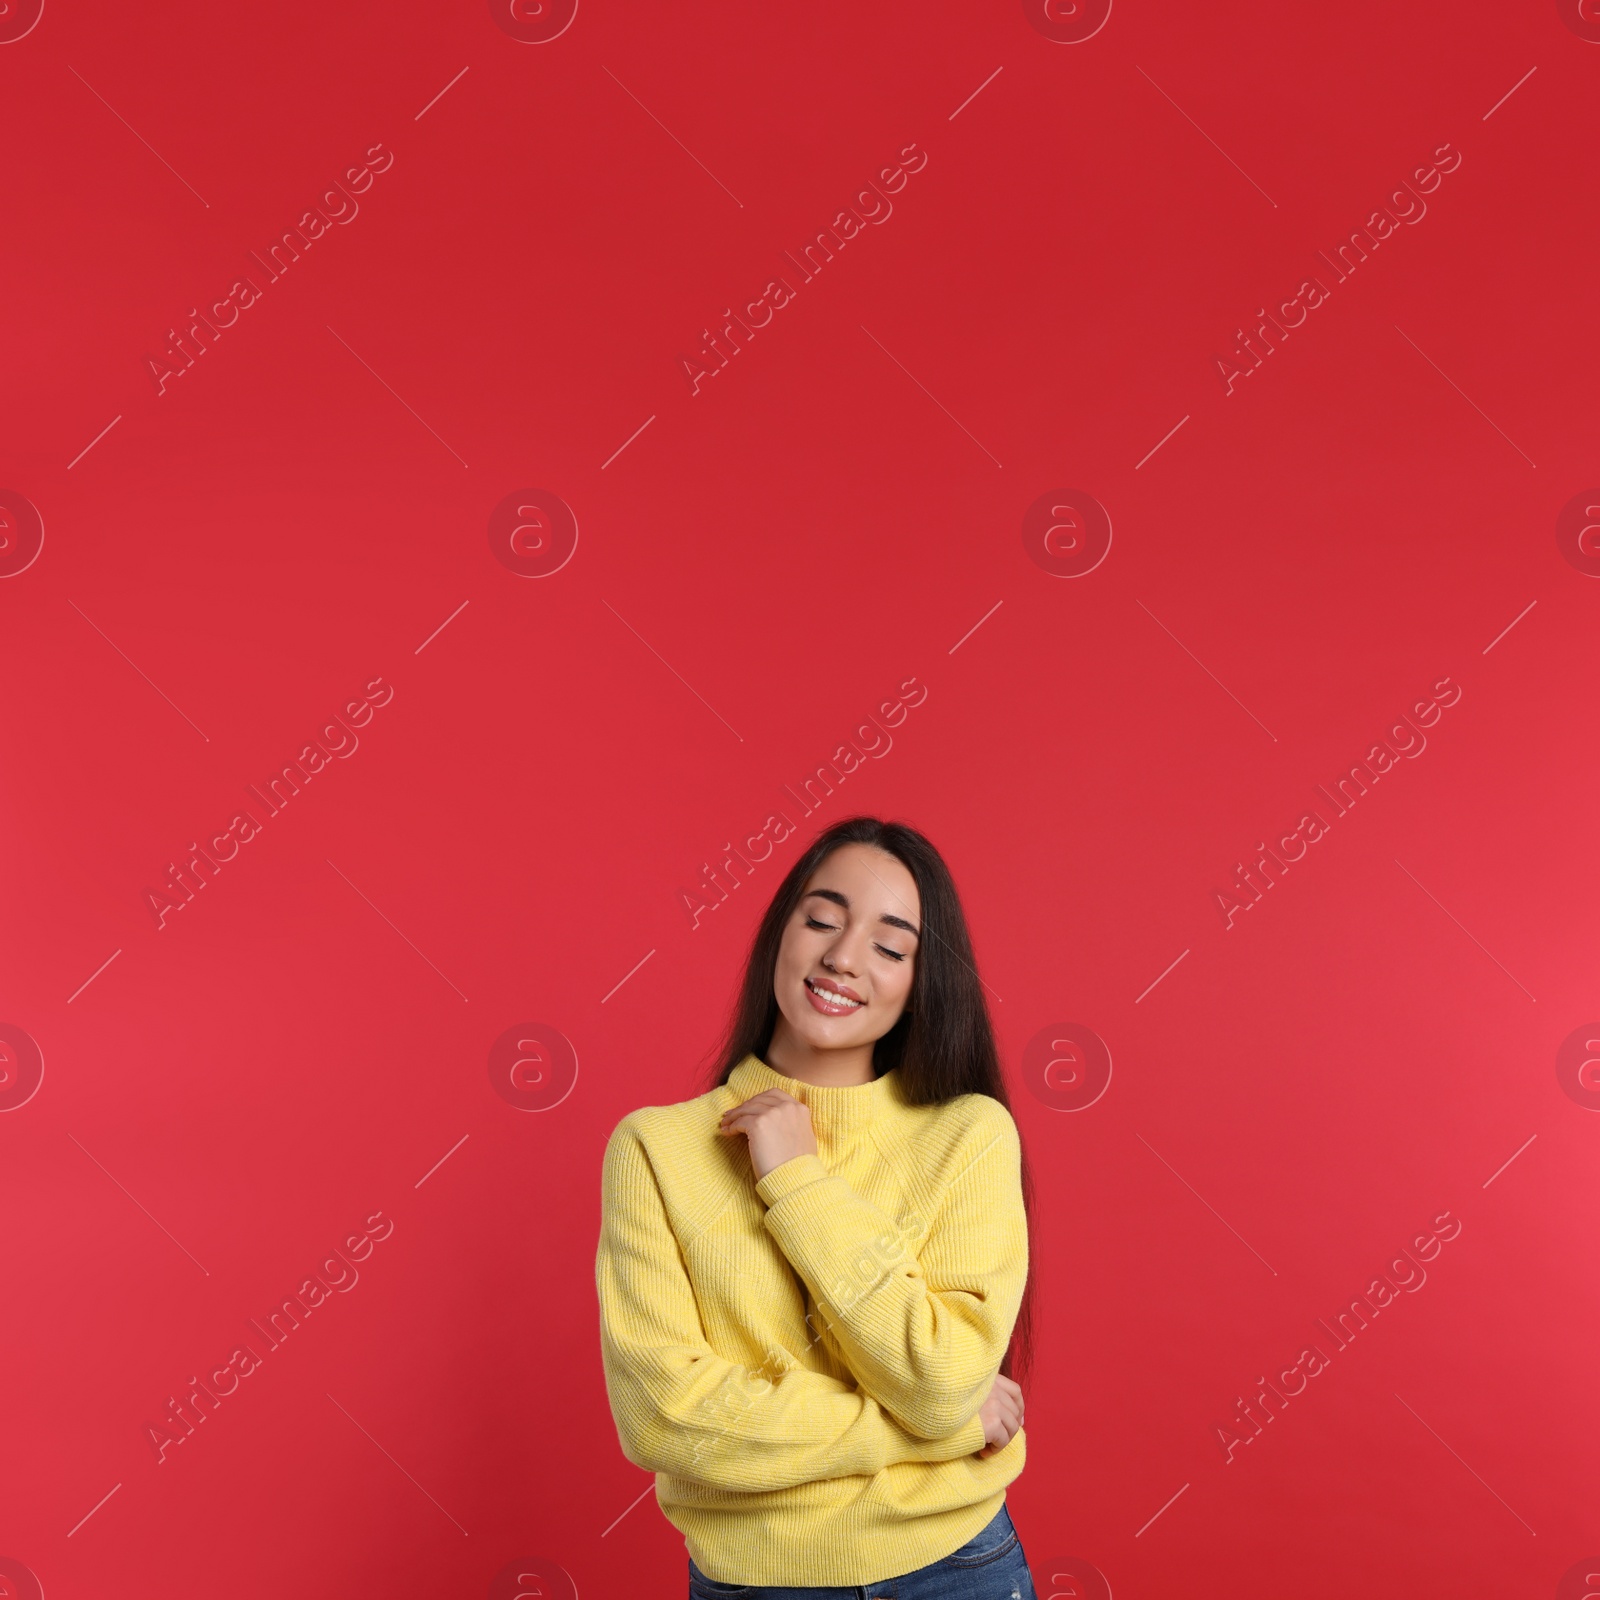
{"x":768,"y":1097}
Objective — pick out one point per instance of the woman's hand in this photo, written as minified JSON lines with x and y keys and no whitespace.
{"x":1002,"y":1415}
{"x":778,"y":1127}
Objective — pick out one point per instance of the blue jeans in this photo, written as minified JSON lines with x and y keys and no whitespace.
{"x":990,"y":1566}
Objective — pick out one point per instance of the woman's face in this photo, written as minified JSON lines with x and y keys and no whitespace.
{"x":849,"y":952}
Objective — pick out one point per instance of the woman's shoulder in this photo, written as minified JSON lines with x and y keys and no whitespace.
{"x":957,"y":1129}
{"x":968,"y":1113}
{"x":983,"y":1110}
{"x":674,"y":1150}
{"x":680,"y":1119}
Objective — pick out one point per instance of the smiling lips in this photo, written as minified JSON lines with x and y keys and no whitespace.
{"x":832,"y":999}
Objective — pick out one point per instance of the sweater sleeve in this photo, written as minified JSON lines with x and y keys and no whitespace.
{"x":681,"y":1408}
{"x":922,"y":1315}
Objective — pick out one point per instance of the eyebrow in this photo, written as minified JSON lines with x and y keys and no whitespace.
{"x":844,"y":900}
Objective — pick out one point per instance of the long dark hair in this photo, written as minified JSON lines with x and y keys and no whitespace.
{"x":943,"y":1043}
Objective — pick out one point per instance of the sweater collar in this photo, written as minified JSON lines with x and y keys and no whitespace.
{"x":836,"y":1110}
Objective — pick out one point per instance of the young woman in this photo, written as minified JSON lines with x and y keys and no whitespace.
{"x":809,"y":1277}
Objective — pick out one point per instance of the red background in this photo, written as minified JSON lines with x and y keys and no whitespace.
{"x":1291,"y":570}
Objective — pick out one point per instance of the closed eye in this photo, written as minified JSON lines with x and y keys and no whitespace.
{"x":828,"y":927}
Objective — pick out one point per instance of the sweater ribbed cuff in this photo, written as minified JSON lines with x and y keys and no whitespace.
{"x":795,"y":1173}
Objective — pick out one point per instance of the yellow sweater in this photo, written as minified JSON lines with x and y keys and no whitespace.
{"x":801,"y":1361}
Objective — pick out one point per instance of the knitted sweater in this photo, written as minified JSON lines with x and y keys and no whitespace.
{"x":801,"y":1361}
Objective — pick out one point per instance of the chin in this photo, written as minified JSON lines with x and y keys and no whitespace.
{"x":816,"y":1033}
{"x":826,"y":1033}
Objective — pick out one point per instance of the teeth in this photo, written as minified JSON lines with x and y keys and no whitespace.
{"x":831,"y":998}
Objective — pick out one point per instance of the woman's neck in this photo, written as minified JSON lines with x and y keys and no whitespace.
{"x":794,"y":1058}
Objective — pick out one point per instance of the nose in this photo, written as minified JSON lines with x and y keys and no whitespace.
{"x":843,"y":955}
